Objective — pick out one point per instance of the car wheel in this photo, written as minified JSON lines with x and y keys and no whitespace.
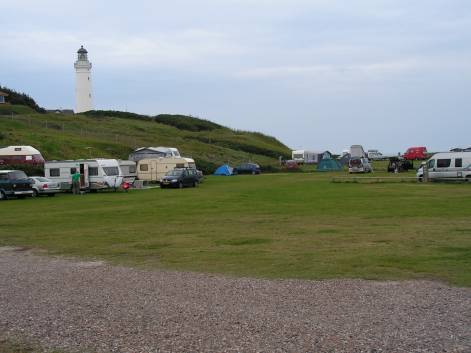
{"x":35,"y":193}
{"x":180,"y":185}
{"x":2,"y":196}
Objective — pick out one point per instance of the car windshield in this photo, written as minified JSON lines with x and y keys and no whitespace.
{"x":111,"y":171}
{"x":18,"y":175}
{"x":175,"y":173}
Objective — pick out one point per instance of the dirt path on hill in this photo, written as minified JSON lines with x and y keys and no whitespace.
{"x":95,"y":307}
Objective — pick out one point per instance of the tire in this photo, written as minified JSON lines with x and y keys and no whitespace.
{"x":35,"y":193}
{"x":2,"y":196}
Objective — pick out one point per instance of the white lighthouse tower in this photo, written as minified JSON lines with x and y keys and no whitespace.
{"x":83,"y":82}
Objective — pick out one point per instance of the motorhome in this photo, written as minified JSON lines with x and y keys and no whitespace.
{"x":358,"y":162}
{"x":375,"y":155}
{"x":447,"y":165}
{"x":128,"y":168}
{"x":154,"y":169}
{"x":153,"y":152}
{"x":307,"y":157}
{"x":13,"y":155}
{"x":95,"y":174}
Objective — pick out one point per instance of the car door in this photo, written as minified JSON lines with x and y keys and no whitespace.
{"x":443,"y":168}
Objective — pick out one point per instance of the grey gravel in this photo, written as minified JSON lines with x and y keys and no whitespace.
{"x":96,"y":307}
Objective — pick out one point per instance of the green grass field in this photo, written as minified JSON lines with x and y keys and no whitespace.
{"x":277,"y":226}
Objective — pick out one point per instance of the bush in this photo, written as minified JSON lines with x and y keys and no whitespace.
{"x":21,"y":99}
{"x":29,"y":169}
{"x":205,"y":166}
{"x":188,"y":123}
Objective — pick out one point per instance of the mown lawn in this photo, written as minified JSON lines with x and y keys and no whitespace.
{"x":276,"y":226}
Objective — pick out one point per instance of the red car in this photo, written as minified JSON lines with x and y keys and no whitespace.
{"x":415,"y":153}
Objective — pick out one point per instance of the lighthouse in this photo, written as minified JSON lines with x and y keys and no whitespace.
{"x":83,"y":82}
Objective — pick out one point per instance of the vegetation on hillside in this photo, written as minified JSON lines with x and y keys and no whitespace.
{"x":18,"y":98}
{"x":115,"y":134}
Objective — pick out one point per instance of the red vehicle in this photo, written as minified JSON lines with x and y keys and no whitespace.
{"x":14,"y":155}
{"x":415,"y":153}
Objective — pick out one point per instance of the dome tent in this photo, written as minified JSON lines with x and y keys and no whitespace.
{"x":328,"y":165}
{"x":224,"y":170}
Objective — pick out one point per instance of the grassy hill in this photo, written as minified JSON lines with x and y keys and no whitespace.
{"x":115,"y":134}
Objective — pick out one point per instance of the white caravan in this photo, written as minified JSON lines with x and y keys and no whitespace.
{"x":358,"y":162}
{"x":154,"y":169}
{"x":375,"y":155}
{"x":128,"y":168}
{"x":95,"y":174}
{"x":447,"y":165}
{"x":304,"y":156}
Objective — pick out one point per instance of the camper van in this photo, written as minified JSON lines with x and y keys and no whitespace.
{"x":128,"y":168}
{"x":358,"y":162}
{"x":95,"y":174}
{"x":154,"y":169}
{"x":447,"y":165}
{"x":13,"y":155}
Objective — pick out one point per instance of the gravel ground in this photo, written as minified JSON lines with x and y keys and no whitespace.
{"x":95,"y":307}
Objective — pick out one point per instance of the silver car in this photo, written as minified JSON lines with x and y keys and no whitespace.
{"x":44,"y":186}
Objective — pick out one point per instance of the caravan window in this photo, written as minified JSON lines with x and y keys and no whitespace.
{"x":144,"y":167}
{"x":443,"y":163}
{"x":54,"y":172}
{"x":111,"y":171}
{"x":180,"y":165}
{"x":458,"y":162}
{"x":132,"y":169}
{"x":93,"y":171}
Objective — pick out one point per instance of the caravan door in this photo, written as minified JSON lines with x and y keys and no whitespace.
{"x":153,"y":170}
{"x":84,"y":178}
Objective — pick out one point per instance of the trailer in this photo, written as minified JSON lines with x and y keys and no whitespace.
{"x":308,"y":157}
{"x":95,"y":174}
{"x":14,"y":155}
{"x":154,"y":169}
{"x":128,"y":168}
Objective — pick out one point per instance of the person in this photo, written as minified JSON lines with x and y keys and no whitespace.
{"x":76,"y":182}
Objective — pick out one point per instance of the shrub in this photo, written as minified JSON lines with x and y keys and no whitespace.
{"x":21,"y":99}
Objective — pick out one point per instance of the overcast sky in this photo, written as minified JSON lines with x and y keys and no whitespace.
{"x":317,"y":74}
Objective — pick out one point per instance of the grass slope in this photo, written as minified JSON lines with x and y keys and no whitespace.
{"x":277,"y":226}
{"x":60,"y":136}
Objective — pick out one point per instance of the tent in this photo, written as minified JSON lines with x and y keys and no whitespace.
{"x":328,"y":165}
{"x":224,"y":170}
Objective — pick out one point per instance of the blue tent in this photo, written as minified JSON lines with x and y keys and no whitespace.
{"x":328,"y":165}
{"x":224,"y":170}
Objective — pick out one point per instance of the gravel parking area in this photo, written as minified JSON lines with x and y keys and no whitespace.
{"x":96,"y":307}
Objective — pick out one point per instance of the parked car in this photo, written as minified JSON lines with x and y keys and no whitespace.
{"x":416,"y":153}
{"x":179,"y":178}
{"x":247,"y":168}
{"x":359,"y":165}
{"x":14,"y":183}
{"x":44,"y":186}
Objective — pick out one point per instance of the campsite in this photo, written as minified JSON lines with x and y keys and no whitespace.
{"x":271,"y":225}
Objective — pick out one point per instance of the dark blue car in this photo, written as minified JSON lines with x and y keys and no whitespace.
{"x":247,"y":168}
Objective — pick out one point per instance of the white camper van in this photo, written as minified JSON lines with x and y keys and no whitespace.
{"x":95,"y":174}
{"x":128,"y":168}
{"x":448,"y":165}
{"x":154,"y":169}
{"x":358,"y":162}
